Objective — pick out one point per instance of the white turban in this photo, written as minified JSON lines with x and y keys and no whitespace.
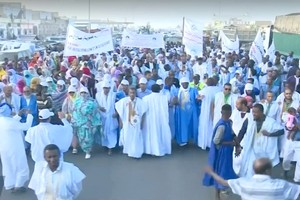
{"x":184,"y":80}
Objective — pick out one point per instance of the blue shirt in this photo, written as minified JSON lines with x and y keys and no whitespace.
{"x":142,"y":94}
{"x":150,"y":83}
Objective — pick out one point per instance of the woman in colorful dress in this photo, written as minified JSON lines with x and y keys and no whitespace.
{"x":86,"y":119}
{"x":68,"y":108}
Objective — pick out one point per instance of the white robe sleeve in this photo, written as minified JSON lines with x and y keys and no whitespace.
{"x":35,"y":181}
{"x":24,"y":126}
{"x":273,"y":125}
{"x":65,"y":142}
{"x":235,"y":186}
{"x":292,"y":191}
{"x":77,"y":177}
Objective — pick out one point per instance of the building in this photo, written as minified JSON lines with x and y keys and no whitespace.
{"x":57,"y":26}
{"x":246,"y":34}
{"x":16,"y":21}
{"x":286,"y":34}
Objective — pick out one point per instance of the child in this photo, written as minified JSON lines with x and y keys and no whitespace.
{"x":291,"y":123}
{"x":249,"y":101}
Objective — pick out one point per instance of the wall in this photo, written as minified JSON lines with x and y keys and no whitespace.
{"x":287,"y":42}
{"x":288,"y":24}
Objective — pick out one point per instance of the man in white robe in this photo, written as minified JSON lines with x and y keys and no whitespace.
{"x":261,"y":141}
{"x":11,"y":98}
{"x":241,"y":117}
{"x":200,"y":68}
{"x":285,"y":103}
{"x":12,"y":151}
{"x":46,"y":133}
{"x":295,"y":96}
{"x":106,"y":100}
{"x":205,"y":126}
{"x":131,"y":111}
{"x":271,"y":108}
{"x":55,"y":179}
{"x":156,"y":129}
{"x":260,"y":186}
{"x":287,"y":145}
{"x":222,"y":98}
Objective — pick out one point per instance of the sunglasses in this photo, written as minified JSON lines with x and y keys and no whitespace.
{"x":228,"y":89}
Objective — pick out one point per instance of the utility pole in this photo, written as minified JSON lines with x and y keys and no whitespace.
{"x":89,"y":16}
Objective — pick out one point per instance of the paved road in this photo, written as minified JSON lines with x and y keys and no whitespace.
{"x":117,"y":177}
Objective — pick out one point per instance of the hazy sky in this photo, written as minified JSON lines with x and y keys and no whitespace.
{"x":166,"y":13}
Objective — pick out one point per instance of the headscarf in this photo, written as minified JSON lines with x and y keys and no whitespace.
{"x":5,"y":77}
{"x":20,"y":86}
{"x":14,"y":78}
{"x":58,"y":98}
{"x":28,"y":77}
{"x":33,"y":73}
{"x":34,"y":82}
{"x":5,"y":110}
{"x":184,"y":92}
{"x":106,"y":101}
{"x":85,"y":113}
{"x":116,"y":73}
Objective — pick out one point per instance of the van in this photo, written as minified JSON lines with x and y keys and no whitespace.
{"x":15,"y":54}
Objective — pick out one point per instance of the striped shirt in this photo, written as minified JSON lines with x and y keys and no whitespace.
{"x":263,"y":187}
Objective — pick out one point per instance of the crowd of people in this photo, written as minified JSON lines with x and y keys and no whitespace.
{"x":142,"y":100}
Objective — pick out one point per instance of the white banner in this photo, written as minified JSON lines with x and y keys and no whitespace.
{"x":153,"y":41}
{"x":79,"y":43}
{"x":228,"y":45}
{"x":257,"y":49}
{"x":193,"y":38}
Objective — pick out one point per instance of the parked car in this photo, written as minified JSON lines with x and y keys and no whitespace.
{"x":15,"y":54}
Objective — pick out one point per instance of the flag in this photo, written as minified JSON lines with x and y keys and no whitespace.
{"x":269,"y":45}
{"x":193,"y":38}
{"x":271,"y":51}
{"x":228,"y":45}
{"x":257,"y":51}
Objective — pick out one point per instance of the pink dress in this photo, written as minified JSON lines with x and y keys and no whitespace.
{"x":290,"y":122}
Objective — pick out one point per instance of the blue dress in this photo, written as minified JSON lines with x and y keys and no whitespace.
{"x":220,"y":159}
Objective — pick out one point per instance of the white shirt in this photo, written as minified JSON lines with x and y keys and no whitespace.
{"x":63,"y":184}
{"x":46,"y":133}
{"x":263,"y":187}
{"x":273,"y":110}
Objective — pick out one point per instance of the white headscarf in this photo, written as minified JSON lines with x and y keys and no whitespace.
{"x":184,"y":93}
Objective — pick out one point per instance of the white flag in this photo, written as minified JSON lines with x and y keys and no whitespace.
{"x":271,"y":51}
{"x":228,"y":45}
{"x":257,"y":48}
{"x":80,"y":43}
{"x":193,"y":38}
